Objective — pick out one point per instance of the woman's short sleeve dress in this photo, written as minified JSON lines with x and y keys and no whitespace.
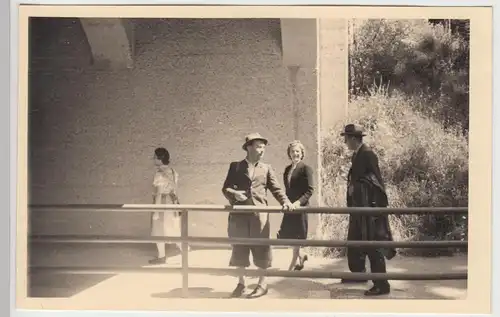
{"x":165,"y":192}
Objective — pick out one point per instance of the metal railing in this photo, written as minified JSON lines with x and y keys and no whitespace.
{"x":185,"y":240}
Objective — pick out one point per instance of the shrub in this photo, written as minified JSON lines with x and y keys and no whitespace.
{"x":416,"y":57}
{"x":422,"y":163}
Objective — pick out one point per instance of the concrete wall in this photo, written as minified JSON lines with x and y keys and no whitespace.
{"x":333,"y":74}
{"x":197,"y":87}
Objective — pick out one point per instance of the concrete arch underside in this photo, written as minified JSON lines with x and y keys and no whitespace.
{"x":112,"y":42}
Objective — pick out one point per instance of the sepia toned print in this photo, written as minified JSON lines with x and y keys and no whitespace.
{"x":167,"y":108}
{"x":164,"y":152}
{"x":404,"y":144}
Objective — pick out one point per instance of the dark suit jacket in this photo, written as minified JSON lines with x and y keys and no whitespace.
{"x":301,"y":186}
{"x":365,"y":162}
{"x":369,"y":191}
{"x":256,"y":189}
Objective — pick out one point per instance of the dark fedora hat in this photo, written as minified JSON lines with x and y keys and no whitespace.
{"x":252,"y":137}
{"x":353,"y":129}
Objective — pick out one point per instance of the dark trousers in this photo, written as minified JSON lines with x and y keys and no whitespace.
{"x":356,"y":257}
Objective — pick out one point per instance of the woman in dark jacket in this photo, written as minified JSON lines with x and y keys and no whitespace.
{"x":299,"y":183}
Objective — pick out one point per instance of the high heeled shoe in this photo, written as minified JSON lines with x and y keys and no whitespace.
{"x":300,"y":266}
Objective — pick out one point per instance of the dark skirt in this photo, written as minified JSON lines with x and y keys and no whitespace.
{"x":293,"y":226}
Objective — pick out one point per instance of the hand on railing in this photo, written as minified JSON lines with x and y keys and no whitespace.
{"x":296,"y":205}
{"x":288,"y":206}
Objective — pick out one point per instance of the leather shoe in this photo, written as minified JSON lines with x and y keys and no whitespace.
{"x":238,"y":291}
{"x":377,"y":291}
{"x":157,"y":260}
{"x":259,"y":291}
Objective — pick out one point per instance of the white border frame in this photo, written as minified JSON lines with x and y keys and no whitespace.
{"x":10,"y":90}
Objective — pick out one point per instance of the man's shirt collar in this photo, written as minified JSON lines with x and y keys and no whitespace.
{"x":250,"y":164}
{"x":357,"y":149}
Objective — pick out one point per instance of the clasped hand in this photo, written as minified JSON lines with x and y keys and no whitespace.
{"x":240,"y":195}
{"x":291,"y":206}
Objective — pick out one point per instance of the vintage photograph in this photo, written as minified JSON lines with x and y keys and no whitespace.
{"x":204,"y":112}
{"x":403,"y":144}
{"x":302,"y":162}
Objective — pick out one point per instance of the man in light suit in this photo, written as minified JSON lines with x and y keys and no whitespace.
{"x":247,"y":183}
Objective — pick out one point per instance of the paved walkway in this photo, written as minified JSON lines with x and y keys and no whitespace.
{"x":168,"y":285}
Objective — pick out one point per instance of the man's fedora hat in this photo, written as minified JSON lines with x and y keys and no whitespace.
{"x":353,"y":129}
{"x":252,"y":137}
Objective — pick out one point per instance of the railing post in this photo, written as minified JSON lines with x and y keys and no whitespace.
{"x":185,"y":253}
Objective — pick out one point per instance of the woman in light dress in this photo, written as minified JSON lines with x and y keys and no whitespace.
{"x":164,"y":192}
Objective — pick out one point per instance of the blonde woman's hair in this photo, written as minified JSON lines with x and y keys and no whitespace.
{"x":298,"y":144}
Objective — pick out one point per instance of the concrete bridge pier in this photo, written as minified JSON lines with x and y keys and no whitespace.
{"x":111,"y":42}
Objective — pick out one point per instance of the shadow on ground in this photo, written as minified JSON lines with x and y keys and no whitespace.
{"x":193,"y":292}
{"x":42,"y":284}
{"x":290,"y":289}
{"x":298,"y":289}
{"x":68,"y":285}
{"x":440,"y":289}
{"x":63,"y":286}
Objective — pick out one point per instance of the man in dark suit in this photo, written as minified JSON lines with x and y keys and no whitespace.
{"x":247,"y":183}
{"x":366,"y":189}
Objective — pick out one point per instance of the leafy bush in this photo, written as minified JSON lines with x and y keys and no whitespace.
{"x":416,"y":57}
{"x":422,"y":163}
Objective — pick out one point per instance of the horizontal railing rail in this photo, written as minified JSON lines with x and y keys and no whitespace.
{"x":186,"y":240}
{"x":252,"y":273}
{"x":244,"y":209}
{"x":245,"y":241}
